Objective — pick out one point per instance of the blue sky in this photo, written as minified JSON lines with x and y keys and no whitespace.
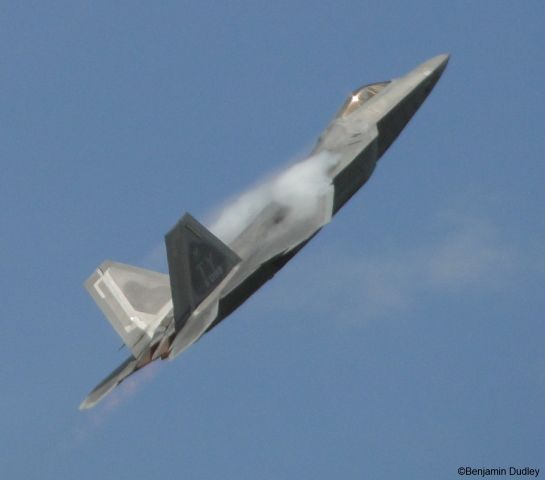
{"x":406,"y":339}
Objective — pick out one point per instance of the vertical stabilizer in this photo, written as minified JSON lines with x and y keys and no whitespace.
{"x":198,"y":261}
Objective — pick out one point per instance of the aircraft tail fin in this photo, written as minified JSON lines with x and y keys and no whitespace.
{"x":134,"y":300}
{"x":198,"y":262}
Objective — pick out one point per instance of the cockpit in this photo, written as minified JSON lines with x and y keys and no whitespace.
{"x":360,"y":96}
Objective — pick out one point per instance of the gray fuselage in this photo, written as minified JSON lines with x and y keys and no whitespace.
{"x":357,"y":137}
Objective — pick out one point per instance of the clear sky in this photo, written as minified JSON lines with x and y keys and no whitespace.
{"x":405,"y":341}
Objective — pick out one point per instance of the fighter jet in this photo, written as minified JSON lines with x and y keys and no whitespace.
{"x":213,"y":271}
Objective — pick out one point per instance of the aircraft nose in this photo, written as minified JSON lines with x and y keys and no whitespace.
{"x":430,"y":73}
{"x":436,"y":65}
{"x":415,"y":88}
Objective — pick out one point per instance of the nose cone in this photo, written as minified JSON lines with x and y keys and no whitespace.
{"x":435,"y":65}
{"x":412,"y":90}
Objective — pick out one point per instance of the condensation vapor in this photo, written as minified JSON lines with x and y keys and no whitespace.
{"x":299,"y":188}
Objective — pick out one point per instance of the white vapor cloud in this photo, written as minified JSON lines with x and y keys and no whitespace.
{"x":299,"y":188}
{"x":470,"y":256}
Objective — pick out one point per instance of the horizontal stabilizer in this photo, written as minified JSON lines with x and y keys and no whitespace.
{"x":198,"y":262}
{"x":109,"y":383}
{"x":135,"y":301}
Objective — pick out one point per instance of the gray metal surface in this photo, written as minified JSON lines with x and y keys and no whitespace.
{"x":214,"y":272}
{"x":198,"y":262}
{"x":134,"y":300}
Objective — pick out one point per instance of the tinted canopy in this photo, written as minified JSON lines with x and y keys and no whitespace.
{"x":360,"y":96}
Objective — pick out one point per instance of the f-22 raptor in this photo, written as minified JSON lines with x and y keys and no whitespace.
{"x":212,"y":272}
